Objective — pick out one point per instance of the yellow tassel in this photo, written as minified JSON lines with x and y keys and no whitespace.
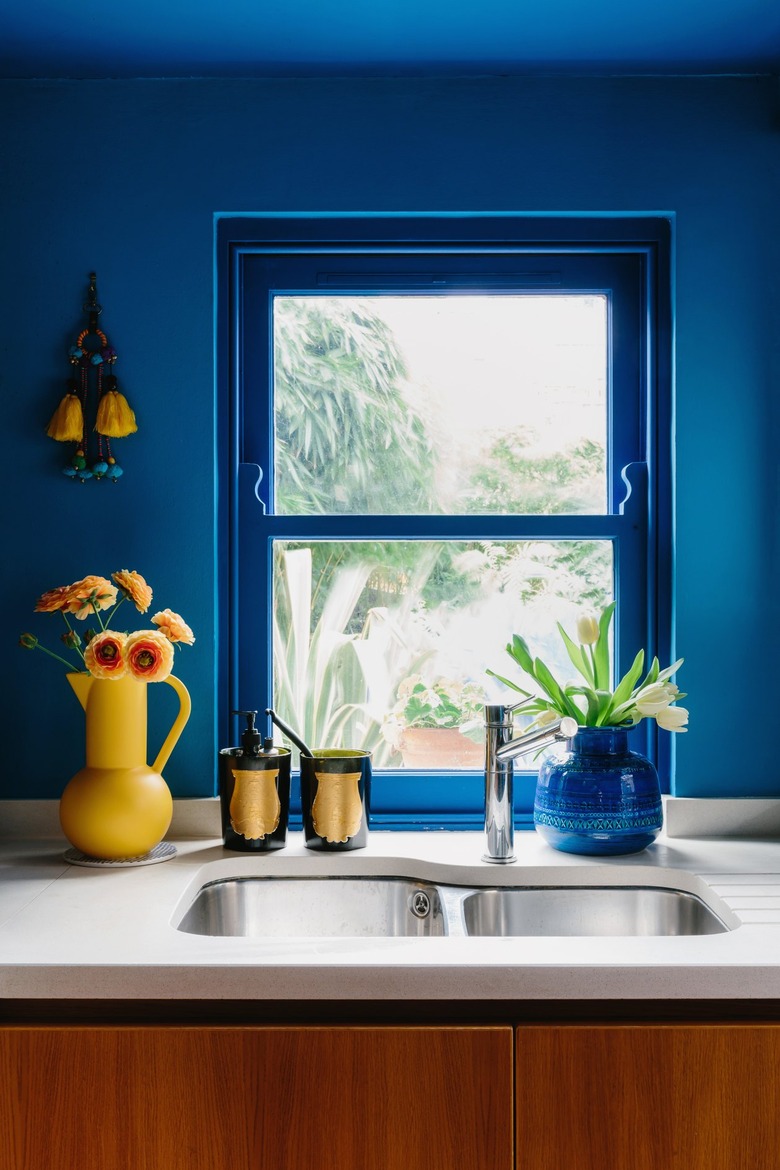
{"x":114,"y":416}
{"x":67,"y":422}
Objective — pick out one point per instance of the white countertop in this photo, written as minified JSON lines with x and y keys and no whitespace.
{"x":68,"y":932}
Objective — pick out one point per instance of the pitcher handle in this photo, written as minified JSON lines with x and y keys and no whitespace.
{"x":185,"y":706}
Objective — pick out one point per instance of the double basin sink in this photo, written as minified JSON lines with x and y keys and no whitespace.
{"x":398,"y":907}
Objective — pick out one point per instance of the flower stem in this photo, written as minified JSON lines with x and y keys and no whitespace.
{"x":51,"y":654}
{"x":110,"y":616}
{"x":593,"y":666}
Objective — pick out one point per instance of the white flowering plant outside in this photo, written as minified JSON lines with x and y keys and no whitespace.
{"x":588,"y":698}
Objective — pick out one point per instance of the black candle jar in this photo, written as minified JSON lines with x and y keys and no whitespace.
{"x":335,"y":796}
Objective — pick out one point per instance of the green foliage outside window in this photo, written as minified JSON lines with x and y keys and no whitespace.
{"x":345,"y":430}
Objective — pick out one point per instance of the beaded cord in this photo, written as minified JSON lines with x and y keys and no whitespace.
{"x":111,"y":412}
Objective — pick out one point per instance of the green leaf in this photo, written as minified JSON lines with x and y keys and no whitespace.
{"x":668,"y":671}
{"x":518,"y":649}
{"x":593,"y":704}
{"x":651,"y":676}
{"x":627,"y":683}
{"x":537,"y":707}
{"x":548,"y":683}
{"x":563,"y":704}
{"x":601,"y":649}
{"x":508,"y":682}
{"x":577,"y":655}
{"x":604,"y":708}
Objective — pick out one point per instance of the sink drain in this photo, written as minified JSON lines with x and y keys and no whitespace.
{"x":420,"y":904}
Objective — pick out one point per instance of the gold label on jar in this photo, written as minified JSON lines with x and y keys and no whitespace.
{"x":337,"y":811}
{"x":255,"y":808}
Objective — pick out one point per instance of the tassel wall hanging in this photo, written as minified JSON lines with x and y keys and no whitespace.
{"x":92,"y":412}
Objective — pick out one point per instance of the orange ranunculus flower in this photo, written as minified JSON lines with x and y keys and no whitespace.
{"x":134,"y":585}
{"x":89,"y":595}
{"x":149,"y":655}
{"x":53,"y":600}
{"x":104,"y":655}
{"x":173,"y":626}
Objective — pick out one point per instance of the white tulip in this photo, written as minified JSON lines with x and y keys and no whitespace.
{"x":587,"y":630}
{"x":653,"y":698}
{"x":672,"y":718}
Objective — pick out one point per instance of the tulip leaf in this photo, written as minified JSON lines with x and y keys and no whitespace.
{"x":651,"y":676}
{"x":593,"y":704}
{"x":508,"y":682}
{"x":577,"y":655}
{"x":563,"y":704}
{"x":518,"y":649}
{"x":626,"y":685}
{"x":604,"y":708}
{"x":668,"y":671}
{"x":601,"y":649}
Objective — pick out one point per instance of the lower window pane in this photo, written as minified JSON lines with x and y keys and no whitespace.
{"x":384,"y":645}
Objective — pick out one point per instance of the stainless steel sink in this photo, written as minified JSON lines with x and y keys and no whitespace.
{"x":583,"y":910}
{"x":395,"y":907}
{"x":315,"y":908}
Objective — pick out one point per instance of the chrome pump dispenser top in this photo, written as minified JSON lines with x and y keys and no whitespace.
{"x":254,"y":791}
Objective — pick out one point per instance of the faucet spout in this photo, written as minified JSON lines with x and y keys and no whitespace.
{"x":500,"y":752}
{"x":541,"y":737}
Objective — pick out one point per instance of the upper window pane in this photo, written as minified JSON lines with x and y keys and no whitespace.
{"x":440,"y":404}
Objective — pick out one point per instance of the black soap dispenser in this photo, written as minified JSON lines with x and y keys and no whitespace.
{"x":254,"y":792}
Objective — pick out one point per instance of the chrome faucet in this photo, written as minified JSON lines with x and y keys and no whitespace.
{"x":500,"y":751}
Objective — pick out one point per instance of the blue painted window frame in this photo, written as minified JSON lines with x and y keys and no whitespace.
{"x":627,"y":257}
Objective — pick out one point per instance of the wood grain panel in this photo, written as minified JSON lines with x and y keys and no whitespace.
{"x":239,"y":1098}
{"x":727,"y":1097}
{"x":698,"y":1097}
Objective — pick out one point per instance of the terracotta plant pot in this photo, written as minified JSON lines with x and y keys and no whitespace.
{"x":440,"y":747}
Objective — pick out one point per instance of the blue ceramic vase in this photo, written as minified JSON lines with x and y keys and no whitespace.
{"x":597,"y":797}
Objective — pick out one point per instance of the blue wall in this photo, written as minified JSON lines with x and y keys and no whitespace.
{"x":124,"y":177}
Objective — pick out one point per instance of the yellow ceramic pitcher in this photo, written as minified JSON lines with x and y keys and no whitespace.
{"x":117,"y":806}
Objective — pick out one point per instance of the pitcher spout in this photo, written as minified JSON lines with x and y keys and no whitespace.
{"x":82,"y":684}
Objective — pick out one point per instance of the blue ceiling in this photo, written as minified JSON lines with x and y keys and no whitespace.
{"x":257,"y":38}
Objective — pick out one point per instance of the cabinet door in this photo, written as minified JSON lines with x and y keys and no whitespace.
{"x":149,"y":1098}
{"x":645,"y":1097}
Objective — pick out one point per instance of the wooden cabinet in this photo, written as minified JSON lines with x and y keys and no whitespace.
{"x":640,"y":1096}
{"x":646,"y":1097}
{"x":256,"y":1098}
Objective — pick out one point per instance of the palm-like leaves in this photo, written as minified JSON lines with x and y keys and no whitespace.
{"x":343,"y":428}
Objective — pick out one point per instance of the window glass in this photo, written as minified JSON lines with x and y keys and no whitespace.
{"x":442,"y":404}
{"x":378,"y":641}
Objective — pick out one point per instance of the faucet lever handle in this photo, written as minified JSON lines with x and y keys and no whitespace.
{"x":500,"y":714}
{"x":522,"y":703}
